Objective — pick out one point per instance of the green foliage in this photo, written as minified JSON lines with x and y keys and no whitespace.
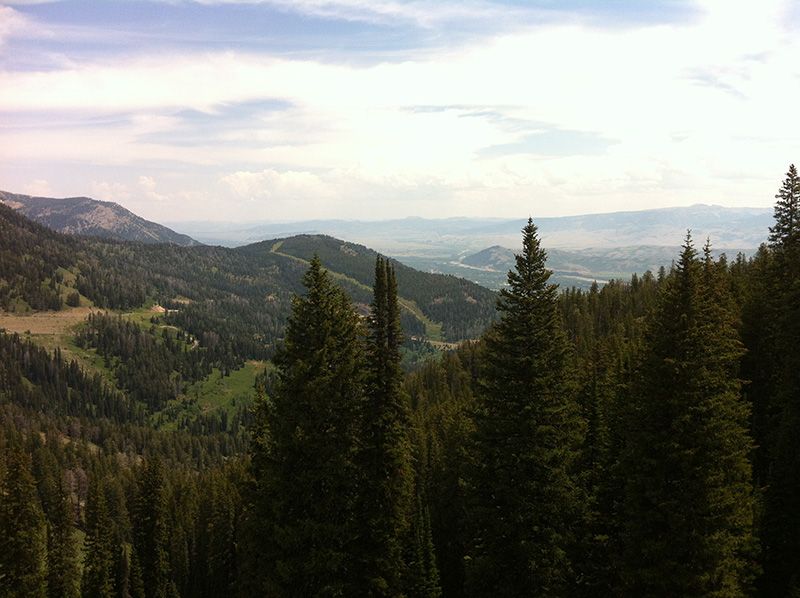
{"x":463,"y":308}
{"x":688,"y":494}
{"x":151,"y":532}
{"x":304,"y":455}
{"x":594,"y":442}
{"x":63,"y":576}
{"x":387,"y":479}
{"x":23,"y":540}
{"x":776,"y":392}
{"x":152,"y":365}
{"x":442,"y":398}
{"x":99,"y":548}
{"x":44,"y":381}
{"x":786,"y":231}
{"x":527,"y":434}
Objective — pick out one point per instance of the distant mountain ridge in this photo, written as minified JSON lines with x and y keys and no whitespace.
{"x":727,"y":227}
{"x":94,"y":218}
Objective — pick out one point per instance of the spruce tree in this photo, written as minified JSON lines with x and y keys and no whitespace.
{"x":221,"y":532}
{"x":23,"y":548}
{"x":151,"y":531}
{"x":688,"y":496}
{"x":386,"y":492}
{"x":525,"y":499}
{"x":63,"y":576}
{"x":780,"y":396}
{"x":99,"y":549}
{"x":599,"y":399}
{"x":422,"y":577}
{"x":305,"y":449}
{"x":786,"y":230}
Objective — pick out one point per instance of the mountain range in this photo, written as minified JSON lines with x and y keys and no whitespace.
{"x":581,"y":249}
{"x":90,"y":217}
{"x":727,"y":227}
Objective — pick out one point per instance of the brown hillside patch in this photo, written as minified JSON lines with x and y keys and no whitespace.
{"x":44,"y":322}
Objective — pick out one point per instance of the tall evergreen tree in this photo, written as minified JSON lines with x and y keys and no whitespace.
{"x":422,"y":577}
{"x":781,"y":393}
{"x":63,"y":576}
{"x":99,"y":548}
{"x":599,"y":399}
{"x":151,"y":531}
{"x":386,"y":492}
{"x":527,"y":434}
{"x":304,"y":455}
{"x":786,"y":230}
{"x":23,"y":548}
{"x":221,"y":531}
{"x":688,"y":504}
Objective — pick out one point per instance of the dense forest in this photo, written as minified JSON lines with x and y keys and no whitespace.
{"x":639,"y":439}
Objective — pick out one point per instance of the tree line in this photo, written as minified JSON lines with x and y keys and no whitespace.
{"x":635,"y":440}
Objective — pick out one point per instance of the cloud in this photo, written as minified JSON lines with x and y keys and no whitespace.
{"x":39,"y":188}
{"x":148,"y":186}
{"x":289,"y":185}
{"x":12,"y":23}
{"x":28,"y":2}
{"x":566,"y":115}
{"x":106,"y":191}
{"x":421,"y":13}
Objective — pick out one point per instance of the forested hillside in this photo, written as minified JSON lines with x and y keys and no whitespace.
{"x":639,"y":439}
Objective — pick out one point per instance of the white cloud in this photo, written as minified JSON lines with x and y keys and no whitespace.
{"x":684,"y":106}
{"x":39,"y":187}
{"x":148,"y":186}
{"x":105,"y":191}
{"x":271,"y":184}
{"x":12,"y":23}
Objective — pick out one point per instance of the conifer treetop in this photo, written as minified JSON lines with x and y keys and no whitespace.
{"x":786,"y":230}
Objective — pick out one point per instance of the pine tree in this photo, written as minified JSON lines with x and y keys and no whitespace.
{"x":387,"y":476}
{"x":63,"y":576}
{"x":527,"y":433}
{"x":100,"y":559}
{"x":221,"y":531}
{"x":779,"y":393}
{"x":598,"y":399}
{"x":688,"y":503}
{"x":150,"y":530}
{"x":422,"y":576}
{"x":23,"y":548}
{"x":786,"y":230}
{"x":304,"y":455}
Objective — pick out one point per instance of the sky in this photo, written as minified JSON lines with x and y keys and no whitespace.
{"x":259,"y":110}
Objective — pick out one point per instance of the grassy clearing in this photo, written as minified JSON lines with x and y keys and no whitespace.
{"x":213,"y":394}
{"x":229,"y":392}
{"x":44,"y":323}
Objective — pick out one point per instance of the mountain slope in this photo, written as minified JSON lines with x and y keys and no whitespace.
{"x":234,"y":298}
{"x":463,"y":308}
{"x":90,"y":217}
